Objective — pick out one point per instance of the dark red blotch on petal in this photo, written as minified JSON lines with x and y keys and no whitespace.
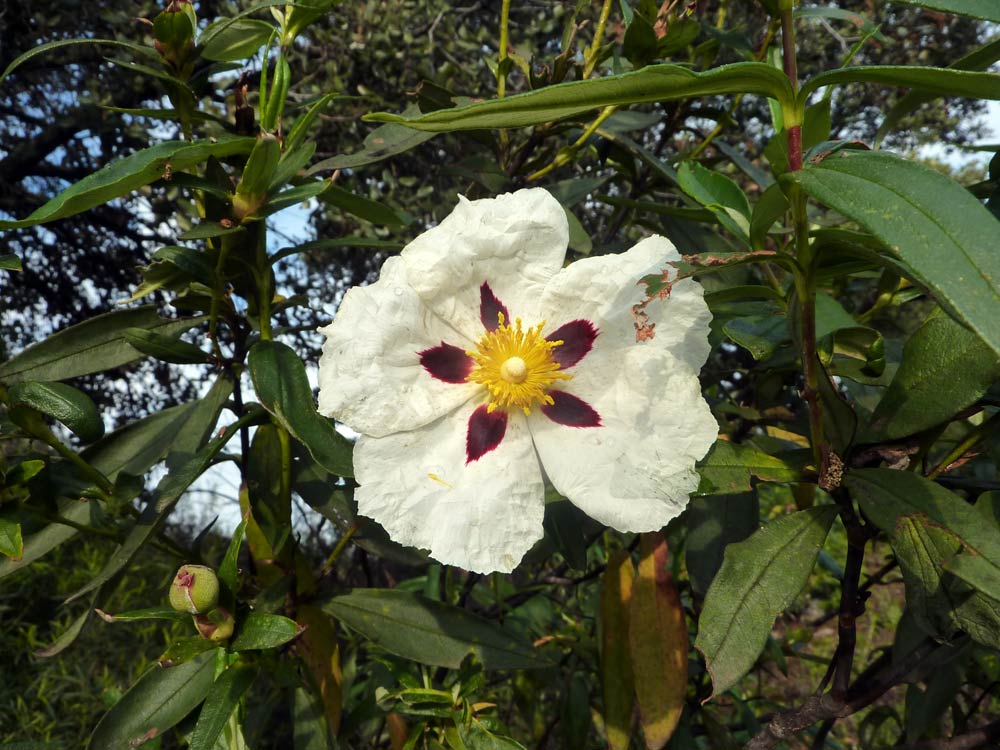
{"x":571,"y":411}
{"x":489,"y":307}
{"x":485,"y":432}
{"x":446,"y":362}
{"x":577,"y":338}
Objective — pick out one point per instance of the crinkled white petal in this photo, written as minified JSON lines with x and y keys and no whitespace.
{"x":604,"y":289}
{"x":635,"y":471}
{"x":482,"y":516}
{"x":515,"y":242}
{"x":370,"y":376}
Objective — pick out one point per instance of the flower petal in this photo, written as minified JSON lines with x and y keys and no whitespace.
{"x":603,"y":290}
{"x":485,"y":432}
{"x":446,"y":362}
{"x":490,"y":308}
{"x":515,"y":242}
{"x":370,"y":375}
{"x":635,"y":471}
{"x":577,"y":338}
{"x":481,"y":515}
{"x":567,"y":409}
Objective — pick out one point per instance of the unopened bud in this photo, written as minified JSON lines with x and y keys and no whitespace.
{"x":216,"y":626}
{"x":195,"y":589}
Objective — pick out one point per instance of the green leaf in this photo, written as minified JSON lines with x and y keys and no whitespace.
{"x":43,"y":48}
{"x":617,"y":683}
{"x":125,"y":175}
{"x":976,"y":571}
{"x":651,"y":84}
{"x":381,"y":143}
{"x":209,"y":229}
{"x":339,"y":244}
{"x":166,"y":348}
{"x":761,"y":335}
{"x":183,"y":468}
{"x":430,"y":632}
{"x":770,"y":207}
{"x":149,"y":613}
{"x":64,"y":403}
{"x":222,"y":700}
{"x":985,"y":9}
{"x":363,"y":208}
{"x":279,"y":377}
{"x":719,"y":194}
{"x":941,"y":81}
{"x":729,"y":468}
{"x":885,"y":495}
{"x":11,"y":542}
{"x":759,"y":579}
{"x":945,"y":368}
{"x":235,"y":41}
{"x":160,"y":699}
{"x":94,"y":345}
{"x":228,"y":569}
{"x":715,"y":522}
{"x":10,"y":262}
{"x":900,"y":202}
{"x":260,"y":631}
{"x":41,"y":542}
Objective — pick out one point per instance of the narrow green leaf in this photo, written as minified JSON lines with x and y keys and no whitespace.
{"x":160,"y":699}
{"x":730,"y":468}
{"x":48,"y":47}
{"x":941,"y":81}
{"x":381,"y":143}
{"x":945,"y":368}
{"x":235,"y":41}
{"x":617,"y":680}
{"x":363,"y":208}
{"x":149,"y":613}
{"x":985,"y":9}
{"x":10,"y":262}
{"x":899,"y":201}
{"x":70,"y":634}
{"x":279,"y":378}
{"x":209,"y":229}
{"x":166,"y":348}
{"x":651,"y":84}
{"x":222,"y":700}
{"x":41,"y":542}
{"x":759,"y":578}
{"x":339,"y":244}
{"x":94,"y":345}
{"x":228,"y":570}
{"x":64,"y":403}
{"x":261,"y":631}
{"x":125,"y":175}
{"x":430,"y":632}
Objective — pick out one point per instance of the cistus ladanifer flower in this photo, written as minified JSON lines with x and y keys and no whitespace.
{"x":477,"y":366}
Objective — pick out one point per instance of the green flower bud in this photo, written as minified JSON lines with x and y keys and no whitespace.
{"x":216,"y":626}
{"x":195,"y":589}
{"x":173,"y":31}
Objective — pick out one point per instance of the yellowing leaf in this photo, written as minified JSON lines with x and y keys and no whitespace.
{"x":318,"y":648}
{"x":658,"y":643}
{"x":616,"y":666}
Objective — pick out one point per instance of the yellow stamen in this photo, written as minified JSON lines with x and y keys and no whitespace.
{"x":516,"y":366}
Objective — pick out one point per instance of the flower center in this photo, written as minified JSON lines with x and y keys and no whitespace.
{"x":516,"y":366}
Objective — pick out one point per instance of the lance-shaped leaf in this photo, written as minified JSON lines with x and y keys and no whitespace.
{"x":64,"y":403}
{"x":430,"y":632}
{"x":941,"y":81}
{"x":730,"y":468}
{"x":654,"y":83}
{"x":279,"y":378}
{"x":317,"y":646}
{"x":949,"y":250}
{"x":94,"y":345}
{"x":617,"y":683}
{"x":166,"y":348}
{"x":160,"y":699}
{"x":125,"y":175}
{"x":222,"y":700}
{"x":759,"y":579}
{"x":658,"y":643}
{"x":719,"y":194}
{"x":381,"y":143}
{"x":945,"y":368}
{"x":260,"y":631}
{"x":985,"y":9}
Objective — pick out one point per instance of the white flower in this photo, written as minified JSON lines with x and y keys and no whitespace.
{"x":477,"y":360}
